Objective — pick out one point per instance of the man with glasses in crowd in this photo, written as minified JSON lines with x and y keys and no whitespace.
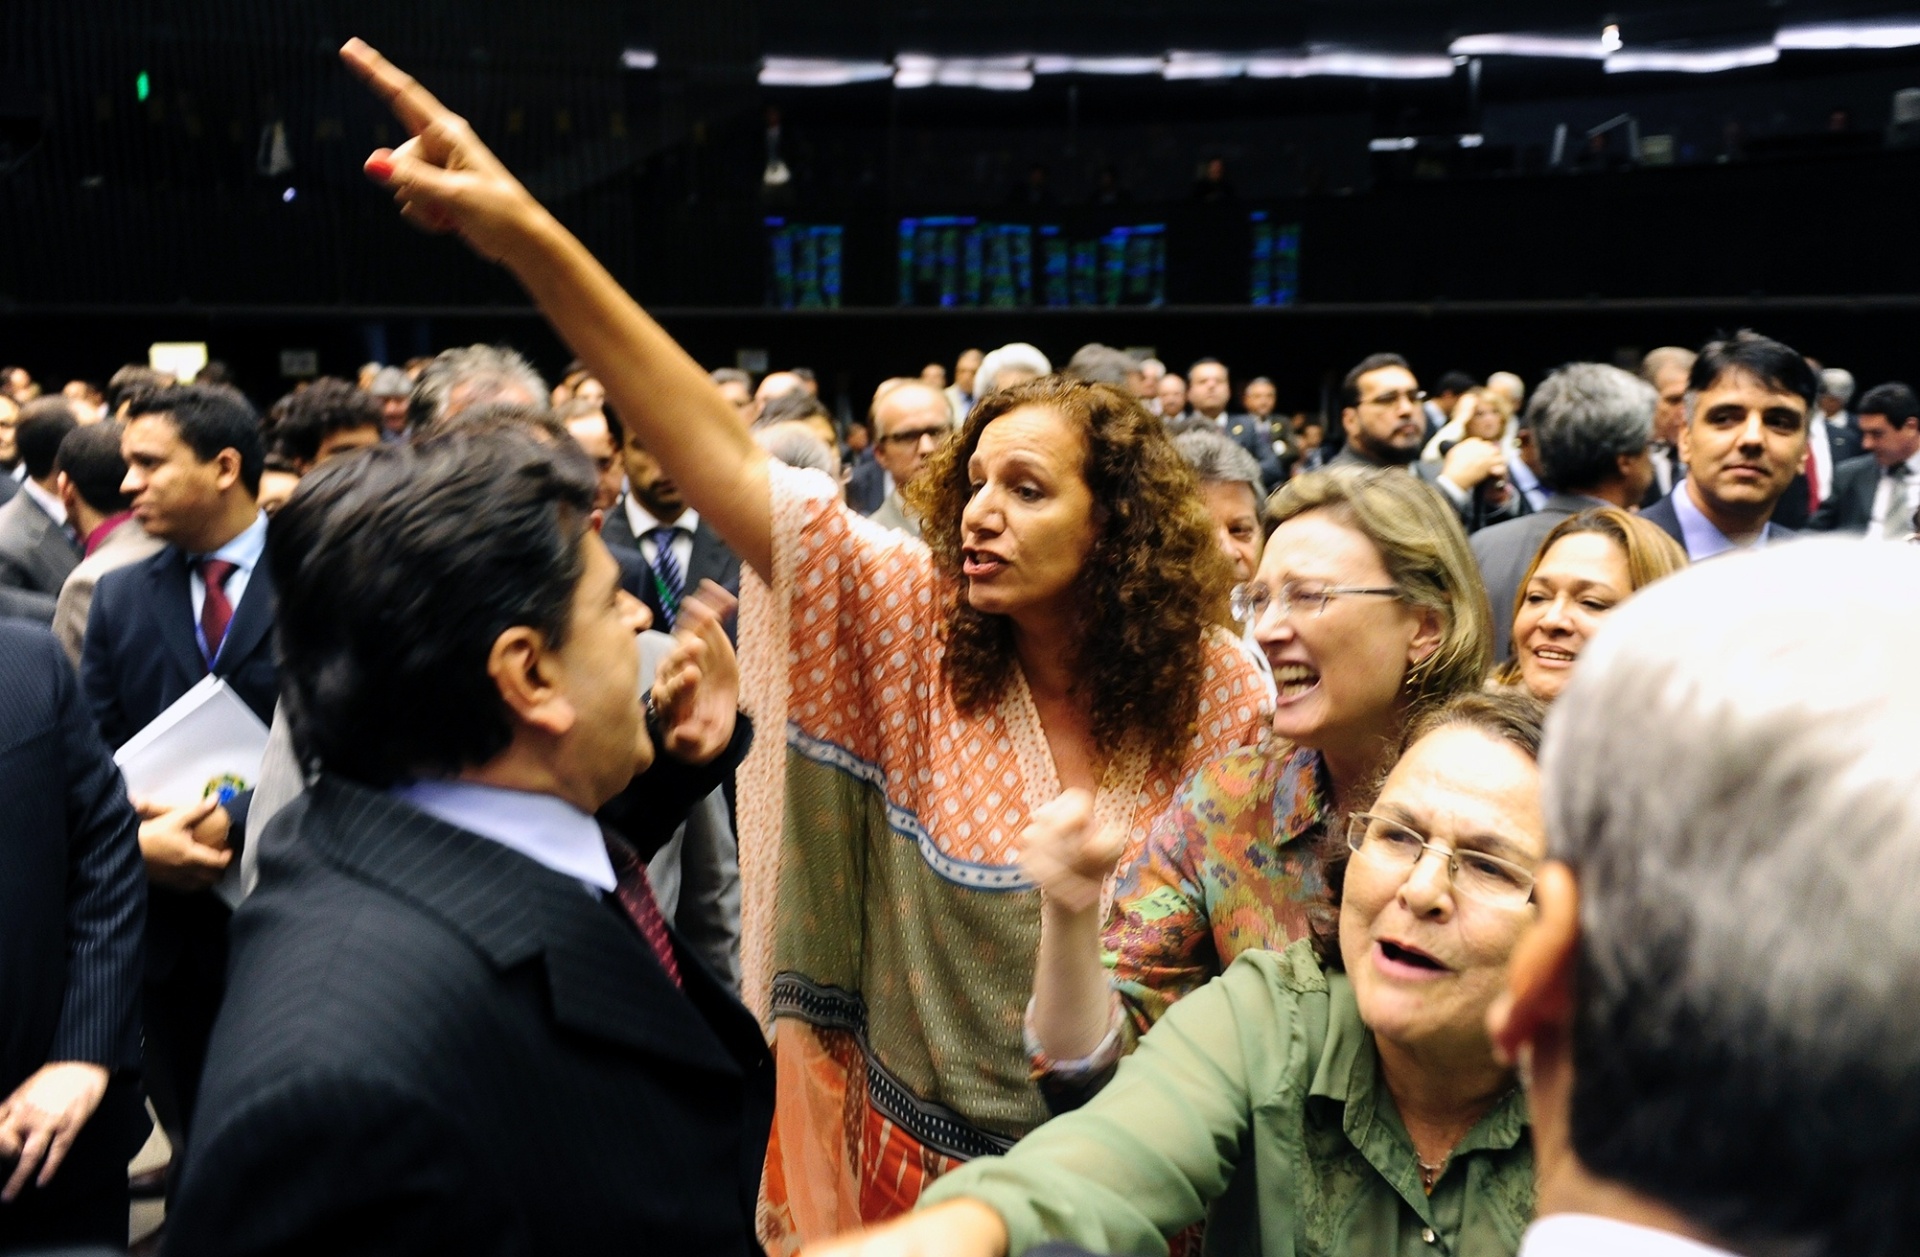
{"x":909,"y":423}
{"x":1386,"y":427}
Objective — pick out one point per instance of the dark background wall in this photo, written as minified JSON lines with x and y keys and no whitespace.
{"x":126,"y":221}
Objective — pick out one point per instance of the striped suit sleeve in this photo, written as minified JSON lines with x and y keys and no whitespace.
{"x":106,"y":892}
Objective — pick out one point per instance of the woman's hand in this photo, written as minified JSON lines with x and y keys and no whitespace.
{"x":1065,"y":856}
{"x":444,"y":178}
{"x":959,"y":1228}
{"x":696,"y":689}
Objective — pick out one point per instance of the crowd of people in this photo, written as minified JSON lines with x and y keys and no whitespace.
{"x":1119,"y":817}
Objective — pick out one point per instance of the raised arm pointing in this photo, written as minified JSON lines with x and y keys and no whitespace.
{"x":446,"y":180}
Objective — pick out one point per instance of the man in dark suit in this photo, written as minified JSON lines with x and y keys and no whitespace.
{"x":72,"y":914}
{"x":1591,"y":425}
{"x":11,"y":473}
{"x":37,"y":546}
{"x":457,"y":1021}
{"x":1385,"y":427}
{"x":203,"y":603}
{"x":1744,"y":443}
{"x":1877,"y":493}
{"x":654,"y":512}
{"x":1209,"y":393}
{"x":1667,"y":369}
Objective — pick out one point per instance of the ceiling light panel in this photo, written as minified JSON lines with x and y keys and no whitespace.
{"x":1523,"y":45}
{"x":821,"y":72}
{"x":1835,"y":36}
{"x":1691,"y":60}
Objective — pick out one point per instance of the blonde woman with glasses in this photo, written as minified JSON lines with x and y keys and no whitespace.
{"x":1369,"y":608}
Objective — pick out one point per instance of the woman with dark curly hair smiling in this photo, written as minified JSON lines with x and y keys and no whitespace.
{"x":1061,"y":628}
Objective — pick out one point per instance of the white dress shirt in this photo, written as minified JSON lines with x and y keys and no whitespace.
{"x":547,"y":830}
{"x":1588,"y":1235}
{"x":47,"y":502}
{"x":1521,"y":477}
{"x":1703,"y":538}
{"x":244,"y":552}
{"x":1876,"y":522}
{"x":642,"y":522}
{"x":1822,"y":450}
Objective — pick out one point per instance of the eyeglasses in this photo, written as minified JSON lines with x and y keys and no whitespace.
{"x":1251,"y":599}
{"x":913,"y":436}
{"x":1475,"y":875}
{"x":1414,"y":395}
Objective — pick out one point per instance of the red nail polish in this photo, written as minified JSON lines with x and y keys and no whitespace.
{"x":381,"y":169}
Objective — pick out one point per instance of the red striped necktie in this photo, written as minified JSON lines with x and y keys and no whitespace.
{"x":215,"y":611}
{"x":635,"y":895}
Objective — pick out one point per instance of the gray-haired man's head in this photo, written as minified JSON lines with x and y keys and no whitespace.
{"x":1836,"y":390}
{"x":1738,"y":804}
{"x":1591,"y":424}
{"x":474,"y":375}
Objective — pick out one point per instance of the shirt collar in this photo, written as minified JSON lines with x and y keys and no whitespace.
{"x":1298,"y":796}
{"x":104,"y":529}
{"x":244,"y":551}
{"x":1703,"y":538}
{"x":641,"y":520}
{"x":1348,"y":1074}
{"x":1588,"y":1235}
{"x":51,"y":504}
{"x":546,"y":829}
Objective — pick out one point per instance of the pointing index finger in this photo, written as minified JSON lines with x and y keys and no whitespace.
{"x":415,"y":106}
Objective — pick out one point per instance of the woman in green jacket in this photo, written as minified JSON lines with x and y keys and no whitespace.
{"x":1341,"y":1097}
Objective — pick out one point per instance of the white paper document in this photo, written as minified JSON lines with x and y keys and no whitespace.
{"x":209,"y":742}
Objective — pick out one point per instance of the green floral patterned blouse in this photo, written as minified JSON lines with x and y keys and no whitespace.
{"x":1234,"y":864}
{"x":1257,"y":1103}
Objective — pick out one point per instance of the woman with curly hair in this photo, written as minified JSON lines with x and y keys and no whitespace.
{"x":1370,"y":610}
{"x":1061,"y":626}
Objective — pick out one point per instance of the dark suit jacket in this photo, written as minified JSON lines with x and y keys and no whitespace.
{"x":866,"y":483}
{"x":27,"y":604}
{"x":73,"y":898}
{"x":1472,"y":516}
{"x":1255,"y":436}
{"x":1663,"y":514}
{"x":1794,"y":510}
{"x":433,"y":1044}
{"x":1504,"y":550}
{"x":139,"y":657}
{"x":1849,"y":508}
{"x":710,"y":560}
{"x":35,"y":552}
{"x":141,"y":654}
{"x":73,"y":893}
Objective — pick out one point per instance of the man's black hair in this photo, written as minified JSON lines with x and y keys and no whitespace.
{"x":316,"y":412}
{"x":1775,"y":365}
{"x":396,"y":571}
{"x":90,"y":459}
{"x":211,"y":418}
{"x":1350,"y":387}
{"x":1894,"y":400}
{"x":44,"y":423}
